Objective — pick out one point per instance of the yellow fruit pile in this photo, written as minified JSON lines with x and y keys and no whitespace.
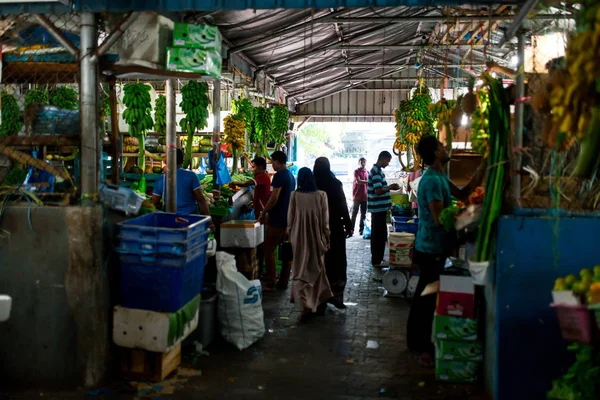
{"x":235,"y":132}
{"x":572,"y":103}
{"x":588,"y":287}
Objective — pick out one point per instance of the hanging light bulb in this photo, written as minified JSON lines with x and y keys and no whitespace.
{"x":465,"y":120}
{"x":514,"y":60}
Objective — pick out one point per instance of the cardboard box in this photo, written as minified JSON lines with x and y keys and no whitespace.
{"x":242,"y":233}
{"x":454,"y":328}
{"x":401,"y":247}
{"x":205,"y":37}
{"x":457,"y":371}
{"x":144,"y":42}
{"x":206,"y":62}
{"x":456,"y":296}
{"x":458,"y":350}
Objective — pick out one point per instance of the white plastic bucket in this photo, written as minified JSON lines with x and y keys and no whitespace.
{"x":402,"y":245}
{"x":481,"y":272}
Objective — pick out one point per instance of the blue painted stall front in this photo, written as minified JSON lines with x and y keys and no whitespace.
{"x":525,"y":351}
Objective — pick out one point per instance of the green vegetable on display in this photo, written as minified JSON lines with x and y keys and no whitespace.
{"x":64,"y":98}
{"x":261,"y":130}
{"x":138,"y":115}
{"x":279,"y":125}
{"x":11,"y":116}
{"x":243,"y":108}
{"x":582,"y":380}
{"x":37,"y":96}
{"x":480,"y":124}
{"x":448,"y":217}
{"x":15,"y":177}
{"x":194,"y":104}
{"x":160,"y":115}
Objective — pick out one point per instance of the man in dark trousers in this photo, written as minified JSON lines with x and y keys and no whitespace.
{"x":378,"y":204}
{"x":359,"y":194}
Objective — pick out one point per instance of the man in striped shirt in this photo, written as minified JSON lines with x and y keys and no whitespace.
{"x":379,"y":202}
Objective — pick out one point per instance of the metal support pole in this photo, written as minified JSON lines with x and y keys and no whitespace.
{"x":519,"y":115}
{"x":171,"y":141}
{"x":216,"y":103}
{"x":88,"y":96}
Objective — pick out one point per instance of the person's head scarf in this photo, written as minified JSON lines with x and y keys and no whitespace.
{"x":306,"y":181}
{"x":323,"y":175}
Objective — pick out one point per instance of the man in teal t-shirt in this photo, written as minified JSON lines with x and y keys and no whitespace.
{"x":433,"y":195}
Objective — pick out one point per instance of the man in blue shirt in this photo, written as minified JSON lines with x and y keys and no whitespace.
{"x":189,"y":191}
{"x":379,"y":202}
{"x":433,"y":195}
{"x":275,"y":216}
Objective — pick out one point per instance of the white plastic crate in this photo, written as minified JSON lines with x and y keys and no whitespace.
{"x":242,"y":234}
{"x":121,"y":199}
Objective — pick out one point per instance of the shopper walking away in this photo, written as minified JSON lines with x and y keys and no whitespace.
{"x":308,"y":227}
{"x":432,"y":246}
{"x":275,"y":216}
{"x":359,"y":194}
{"x":262,"y":190}
{"x":340,"y":227}
{"x":412,"y":176}
{"x":379,"y":202}
{"x":190,"y":198}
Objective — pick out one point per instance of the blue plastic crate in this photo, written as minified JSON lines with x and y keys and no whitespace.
{"x":405,"y":219}
{"x":165,"y":260}
{"x":154,"y":246}
{"x":164,"y":227}
{"x":159,"y":285}
{"x":408,"y":227}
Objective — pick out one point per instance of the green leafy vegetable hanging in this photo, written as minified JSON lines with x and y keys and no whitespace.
{"x":194,"y":104}
{"x":11,"y":116}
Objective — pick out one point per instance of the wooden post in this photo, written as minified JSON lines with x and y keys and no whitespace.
{"x":115,"y":135}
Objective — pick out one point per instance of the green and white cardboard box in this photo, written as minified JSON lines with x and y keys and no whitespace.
{"x":457,"y":371}
{"x":205,"y":37}
{"x":206,"y":62}
{"x":458,"y":350}
{"x":454,"y":328}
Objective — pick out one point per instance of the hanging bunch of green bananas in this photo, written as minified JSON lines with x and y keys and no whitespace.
{"x":64,"y":98}
{"x":37,"y":96}
{"x":160,"y":115}
{"x":261,"y":130}
{"x":194,"y":104}
{"x":138,"y":115}
{"x":480,"y":124}
{"x":442,"y":113}
{"x":244,"y":109}
{"x":11,"y":116}
{"x":280,"y":124}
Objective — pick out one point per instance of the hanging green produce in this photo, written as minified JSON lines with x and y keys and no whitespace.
{"x":37,"y":96}
{"x":160,"y":115}
{"x":244,"y":109}
{"x":442,"y":113}
{"x":480,"y":124}
{"x":261,"y":130}
{"x":64,"y":98}
{"x":279,"y":125}
{"x":235,"y":137}
{"x":11,"y":116}
{"x":138,"y":115}
{"x":413,"y":121}
{"x":194,"y":104}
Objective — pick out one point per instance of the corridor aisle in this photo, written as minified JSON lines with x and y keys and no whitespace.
{"x":326,"y":358}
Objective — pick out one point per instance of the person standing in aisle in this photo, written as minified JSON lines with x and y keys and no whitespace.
{"x":432,"y":245}
{"x":379,"y":202}
{"x":275,"y":215}
{"x":340,"y":228}
{"x":308,"y":227}
{"x":359,"y":194}
{"x":190,"y":198}
{"x":262,"y":190}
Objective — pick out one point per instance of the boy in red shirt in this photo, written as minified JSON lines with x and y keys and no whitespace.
{"x":359,"y":194}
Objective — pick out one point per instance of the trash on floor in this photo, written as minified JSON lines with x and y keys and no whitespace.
{"x":372,"y":344}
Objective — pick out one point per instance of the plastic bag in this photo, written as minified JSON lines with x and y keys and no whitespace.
{"x":203,"y":165}
{"x":367,"y":231}
{"x":240,"y":304}
{"x":414,"y":186}
{"x":223,"y":176}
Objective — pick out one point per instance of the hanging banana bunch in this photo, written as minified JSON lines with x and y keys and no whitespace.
{"x":160,"y":115}
{"x":235,"y":137}
{"x":244,"y":109}
{"x":138,"y":115}
{"x":280,"y":124}
{"x":37,"y":96}
{"x":194,"y":104}
{"x":262,"y":130}
{"x":442,"y":113}
{"x":11,"y":116}
{"x":64,"y":98}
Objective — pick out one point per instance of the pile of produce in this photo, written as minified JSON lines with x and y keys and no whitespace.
{"x":160,"y":115}
{"x":11,"y":116}
{"x":498,"y":166}
{"x":480,"y":123}
{"x":194,"y":104}
{"x":138,"y":115}
{"x":413,"y":121}
{"x":448,"y":217}
{"x":280,"y":125}
{"x":227,"y":191}
{"x":587,"y":287}
{"x":235,"y":136}
{"x":130,"y":144}
{"x":582,"y":380}
{"x":261,"y":130}
{"x":64,"y":98}
{"x":37,"y":96}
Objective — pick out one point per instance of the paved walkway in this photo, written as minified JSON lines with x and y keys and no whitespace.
{"x":326,"y":358}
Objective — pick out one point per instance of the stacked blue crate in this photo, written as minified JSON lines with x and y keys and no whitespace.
{"x":162,"y":258}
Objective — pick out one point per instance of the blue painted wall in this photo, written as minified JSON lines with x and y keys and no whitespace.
{"x":529,"y":351}
{"x":202,"y":5}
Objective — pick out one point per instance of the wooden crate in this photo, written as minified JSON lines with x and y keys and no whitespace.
{"x":148,"y":366}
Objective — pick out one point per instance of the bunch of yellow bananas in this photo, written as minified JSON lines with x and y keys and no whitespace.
{"x":412,"y":137}
{"x":573,"y":102}
{"x":234,"y":131}
{"x":398,"y":145}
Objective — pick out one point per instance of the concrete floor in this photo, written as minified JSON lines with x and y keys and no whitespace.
{"x":326,"y":358}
